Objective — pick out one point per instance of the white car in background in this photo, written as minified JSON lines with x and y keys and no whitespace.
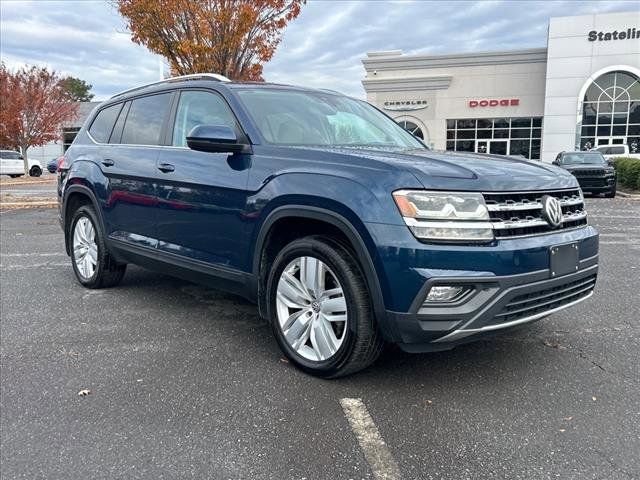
{"x":12,"y":164}
{"x":614,"y":151}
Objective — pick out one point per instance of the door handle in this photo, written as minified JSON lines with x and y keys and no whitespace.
{"x":166,"y":167}
{"x":107,"y":162}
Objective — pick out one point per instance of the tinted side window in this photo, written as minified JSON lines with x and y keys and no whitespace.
{"x":616,"y":150}
{"x":117,"y":129}
{"x":200,"y":108}
{"x":144,"y":121}
{"x":103,"y":123}
{"x":10,"y":155}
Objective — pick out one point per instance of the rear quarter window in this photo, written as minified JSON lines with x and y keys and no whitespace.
{"x":10,"y":155}
{"x":146,"y":116}
{"x":102,"y":125}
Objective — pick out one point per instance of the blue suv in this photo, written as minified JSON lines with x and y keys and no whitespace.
{"x":344,"y":228}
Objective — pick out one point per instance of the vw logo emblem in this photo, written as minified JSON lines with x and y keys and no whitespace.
{"x":551,"y":211}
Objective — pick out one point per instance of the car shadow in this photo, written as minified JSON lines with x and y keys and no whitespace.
{"x":505,"y":358}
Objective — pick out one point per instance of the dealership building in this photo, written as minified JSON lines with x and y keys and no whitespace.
{"x":579,"y":92}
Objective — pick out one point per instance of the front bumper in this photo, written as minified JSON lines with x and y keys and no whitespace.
{"x":499,"y":303}
{"x":596,"y":184}
{"x":511,"y":283}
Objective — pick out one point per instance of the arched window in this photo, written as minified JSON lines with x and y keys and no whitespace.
{"x":412,"y":128}
{"x":611,"y":111}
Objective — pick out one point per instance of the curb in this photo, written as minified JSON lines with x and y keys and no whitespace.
{"x":628,"y":195}
{"x":16,"y":205}
{"x":41,"y":182}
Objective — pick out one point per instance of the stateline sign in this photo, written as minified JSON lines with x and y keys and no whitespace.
{"x":405,"y":105}
{"x":628,"y":34}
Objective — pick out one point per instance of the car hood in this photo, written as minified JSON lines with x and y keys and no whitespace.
{"x":469,"y":171}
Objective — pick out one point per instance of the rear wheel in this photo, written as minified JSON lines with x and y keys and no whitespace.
{"x":320,"y":309}
{"x":35,"y":171}
{"x":93,"y":265}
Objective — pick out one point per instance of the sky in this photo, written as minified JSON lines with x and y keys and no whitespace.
{"x":322,"y":48}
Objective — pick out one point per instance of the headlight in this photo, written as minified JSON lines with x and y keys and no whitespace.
{"x":445,"y":216}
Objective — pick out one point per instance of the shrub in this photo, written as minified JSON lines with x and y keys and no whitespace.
{"x":628,"y":170}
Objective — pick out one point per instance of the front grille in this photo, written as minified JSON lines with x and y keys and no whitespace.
{"x":543,"y":300}
{"x":520,"y":214}
{"x":592,"y":182}
{"x":588,"y":173}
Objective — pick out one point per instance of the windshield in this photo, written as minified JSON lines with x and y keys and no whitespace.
{"x":10,"y":155}
{"x":581,"y":158}
{"x":289,"y":117}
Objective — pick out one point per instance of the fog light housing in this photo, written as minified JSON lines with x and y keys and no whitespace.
{"x":446,"y":293}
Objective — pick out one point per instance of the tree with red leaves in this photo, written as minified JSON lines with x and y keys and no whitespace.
{"x":33,"y":107}
{"x":231,"y":37}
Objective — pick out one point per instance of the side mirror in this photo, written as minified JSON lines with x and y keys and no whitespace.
{"x":556,"y":162}
{"x":214,"y":138}
{"x":611,"y":162}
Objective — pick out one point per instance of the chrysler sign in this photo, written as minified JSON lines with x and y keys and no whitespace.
{"x":505,"y":102}
{"x":405,"y":105}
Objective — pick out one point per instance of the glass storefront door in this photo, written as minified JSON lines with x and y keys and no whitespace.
{"x":502,"y":136}
{"x":497,"y":147}
{"x":600,"y":141}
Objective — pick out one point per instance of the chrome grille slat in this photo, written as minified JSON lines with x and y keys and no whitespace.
{"x":519,"y":214}
{"x":502,"y":207}
{"x":536,"y":222}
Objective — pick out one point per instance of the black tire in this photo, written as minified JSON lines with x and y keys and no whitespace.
{"x":611,"y":193}
{"x":363,"y":342}
{"x":16,"y":176}
{"x":35,"y":171}
{"x":108,"y":272}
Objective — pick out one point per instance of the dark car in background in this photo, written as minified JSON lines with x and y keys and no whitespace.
{"x":593,"y":172}
{"x":52,"y":165}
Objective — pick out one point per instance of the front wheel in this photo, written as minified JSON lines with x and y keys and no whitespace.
{"x":320,"y":309}
{"x":35,"y":171}
{"x":92,"y":263}
{"x":15,"y":176}
{"x":611,"y":193}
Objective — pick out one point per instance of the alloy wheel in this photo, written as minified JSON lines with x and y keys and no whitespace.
{"x":311,"y":308}
{"x":85,"y":249}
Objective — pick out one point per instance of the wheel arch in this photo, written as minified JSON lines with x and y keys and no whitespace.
{"x":75,"y":196}
{"x":338,"y":223}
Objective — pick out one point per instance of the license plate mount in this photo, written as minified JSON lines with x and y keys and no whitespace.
{"x":563,"y":259}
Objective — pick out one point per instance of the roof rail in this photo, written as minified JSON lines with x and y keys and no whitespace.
{"x":193,"y":76}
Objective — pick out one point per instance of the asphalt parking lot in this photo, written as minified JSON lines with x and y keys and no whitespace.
{"x":187,"y":382}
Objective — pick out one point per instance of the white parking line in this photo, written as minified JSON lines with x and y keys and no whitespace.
{"x":57,"y":254}
{"x":626,"y":217}
{"x":375,"y":450}
{"x":45,"y":266}
{"x":618,"y":242}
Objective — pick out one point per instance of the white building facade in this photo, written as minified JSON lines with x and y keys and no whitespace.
{"x":580,"y":92}
{"x":68,"y":132}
